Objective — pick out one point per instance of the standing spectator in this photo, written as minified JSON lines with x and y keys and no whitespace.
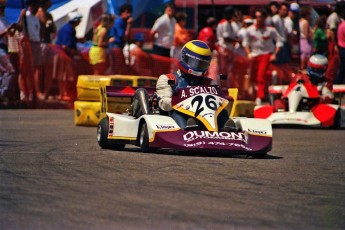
{"x":119,"y":33}
{"x":261,"y":43}
{"x":247,"y":21}
{"x":47,"y":25}
{"x":208,"y":33}
{"x":33,"y":33}
{"x":66,"y":38}
{"x":130,"y":50}
{"x":227,"y":30}
{"x":47,"y":33}
{"x":332,"y":23}
{"x":136,"y":58}
{"x":66,"y":42}
{"x":341,"y":44}
{"x":238,"y":20}
{"x":320,"y":37}
{"x":16,"y":55}
{"x":291,"y":26}
{"x":272,"y":10}
{"x":181,"y":35}
{"x":4,"y":29}
{"x":9,"y":92}
{"x":283,"y":56}
{"x":241,"y":71}
{"x":163,"y":31}
{"x":98,"y":51}
{"x":333,"y":20}
{"x":306,"y":36}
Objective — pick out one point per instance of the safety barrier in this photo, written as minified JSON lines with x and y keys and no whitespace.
{"x":66,"y":68}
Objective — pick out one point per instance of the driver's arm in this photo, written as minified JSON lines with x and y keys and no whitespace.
{"x":164,"y":93}
{"x":327,"y":95}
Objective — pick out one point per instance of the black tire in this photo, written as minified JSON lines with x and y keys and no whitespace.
{"x":144,"y":140}
{"x":337,"y":119}
{"x":102,"y":133}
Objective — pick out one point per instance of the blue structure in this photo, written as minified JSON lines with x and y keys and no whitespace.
{"x":13,"y":8}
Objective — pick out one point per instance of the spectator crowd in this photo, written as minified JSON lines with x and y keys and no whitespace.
{"x":40,"y":62}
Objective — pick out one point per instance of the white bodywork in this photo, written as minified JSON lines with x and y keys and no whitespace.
{"x":127,"y":127}
{"x":254,"y":126}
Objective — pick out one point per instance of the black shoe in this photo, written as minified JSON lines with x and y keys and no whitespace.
{"x":230,"y":126}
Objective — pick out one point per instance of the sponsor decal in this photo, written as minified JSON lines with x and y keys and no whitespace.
{"x":217,"y":143}
{"x":165,"y":126}
{"x":194,"y":135}
{"x":257,"y":131}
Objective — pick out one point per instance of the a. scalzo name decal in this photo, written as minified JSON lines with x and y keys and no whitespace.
{"x":194,"y":135}
{"x":199,"y":90}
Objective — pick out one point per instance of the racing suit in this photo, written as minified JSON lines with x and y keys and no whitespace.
{"x":165,"y":91}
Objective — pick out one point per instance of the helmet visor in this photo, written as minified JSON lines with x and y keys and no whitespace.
{"x":196,"y":63}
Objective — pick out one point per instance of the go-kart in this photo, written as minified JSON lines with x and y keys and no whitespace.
{"x":299,"y":104}
{"x":151,"y":129}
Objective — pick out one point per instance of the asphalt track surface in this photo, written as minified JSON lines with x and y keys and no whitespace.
{"x":53,"y":175}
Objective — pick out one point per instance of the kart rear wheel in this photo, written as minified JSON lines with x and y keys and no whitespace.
{"x":102,"y":136}
{"x":102,"y":133}
{"x":144,"y":140}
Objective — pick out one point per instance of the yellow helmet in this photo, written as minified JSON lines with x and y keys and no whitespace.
{"x":195,"y":58}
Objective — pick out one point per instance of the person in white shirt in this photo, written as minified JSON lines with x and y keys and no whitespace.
{"x":163,"y":31}
{"x":226,"y":32}
{"x":291,"y":26}
{"x":129,"y":49}
{"x":247,"y":21}
{"x":261,"y":43}
{"x":272,"y":10}
{"x":227,"y":29}
{"x":332,"y":24}
{"x":283,"y":55}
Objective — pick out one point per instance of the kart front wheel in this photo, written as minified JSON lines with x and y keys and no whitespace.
{"x":144,"y":140}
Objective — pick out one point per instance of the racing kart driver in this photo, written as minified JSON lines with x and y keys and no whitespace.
{"x":314,"y":74}
{"x":195,"y":58}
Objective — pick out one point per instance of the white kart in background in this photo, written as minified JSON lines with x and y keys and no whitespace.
{"x":299,"y":104}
